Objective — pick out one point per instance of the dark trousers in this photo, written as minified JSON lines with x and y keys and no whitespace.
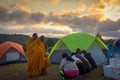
{"x":82,"y":68}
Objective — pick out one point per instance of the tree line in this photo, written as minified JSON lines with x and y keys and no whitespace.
{"x":21,"y":39}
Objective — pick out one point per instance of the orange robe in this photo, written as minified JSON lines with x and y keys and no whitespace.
{"x":35,"y":56}
{"x":47,"y":62}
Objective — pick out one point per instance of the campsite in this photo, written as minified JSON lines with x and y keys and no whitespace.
{"x":59,"y":39}
{"x":14,"y":63}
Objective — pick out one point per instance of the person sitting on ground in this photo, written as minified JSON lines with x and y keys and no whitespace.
{"x":81,"y":66}
{"x":69,"y":67}
{"x":88,"y":56}
{"x":84,"y":60}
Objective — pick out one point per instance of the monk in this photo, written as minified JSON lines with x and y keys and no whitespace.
{"x":35,"y":56}
{"x":47,"y":62}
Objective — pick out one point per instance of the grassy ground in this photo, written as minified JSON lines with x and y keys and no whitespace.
{"x":19,"y":72}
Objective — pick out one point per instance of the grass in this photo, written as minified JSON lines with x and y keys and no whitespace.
{"x":18,"y":71}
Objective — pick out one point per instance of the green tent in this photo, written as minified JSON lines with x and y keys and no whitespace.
{"x":73,"y":41}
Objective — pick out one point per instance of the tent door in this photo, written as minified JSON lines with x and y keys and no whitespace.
{"x":12,"y":56}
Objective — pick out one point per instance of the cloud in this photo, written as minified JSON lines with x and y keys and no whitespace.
{"x":26,"y":1}
{"x":19,"y":19}
{"x":99,"y":6}
{"x":112,"y":12}
{"x":46,"y":29}
{"x":3,"y":13}
{"x":109,"y":28}
{"x":73,"y":20}
{"x":108,"y":9}
{"x":54,"y":1}
{"x":89,"y":24}
{"x":20,"y":15}
{"x":20,"y":7}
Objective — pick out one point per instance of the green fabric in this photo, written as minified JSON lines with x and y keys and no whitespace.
{"x":77,"y":40}
{"x":61,"y":72}
{"x":101,"y":44}
{"x":55,"y":47}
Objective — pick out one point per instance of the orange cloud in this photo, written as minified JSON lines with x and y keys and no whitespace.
{"x":57,"y":27}
{"x":17,"y":27}
{"x":107,"y":10}
{"x":54,"y":1}
{"x":101,"y":5}
{"x":20,"y":7}
{"x":26,"y":1}
{"x":73,"y":13}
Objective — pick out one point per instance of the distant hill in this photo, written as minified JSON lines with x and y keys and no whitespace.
{"x":21,"y":39}
{"x":110,"y":41}
{"x":18,"y":38}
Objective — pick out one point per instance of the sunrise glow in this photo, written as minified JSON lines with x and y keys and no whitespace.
{"x":56,"y":18}
{"x":112,"y":13}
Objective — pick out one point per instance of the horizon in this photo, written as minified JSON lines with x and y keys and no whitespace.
{"x":57,"y":18}
{"x":56,"y":37}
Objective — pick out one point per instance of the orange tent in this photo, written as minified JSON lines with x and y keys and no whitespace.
{"x":11,"y":51}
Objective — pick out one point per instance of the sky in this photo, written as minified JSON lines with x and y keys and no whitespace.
{"x":58,"y":18}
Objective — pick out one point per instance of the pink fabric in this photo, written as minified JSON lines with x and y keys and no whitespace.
{"x":71,"y":74}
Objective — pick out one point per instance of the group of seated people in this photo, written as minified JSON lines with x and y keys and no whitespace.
{"x":79,"y":63}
